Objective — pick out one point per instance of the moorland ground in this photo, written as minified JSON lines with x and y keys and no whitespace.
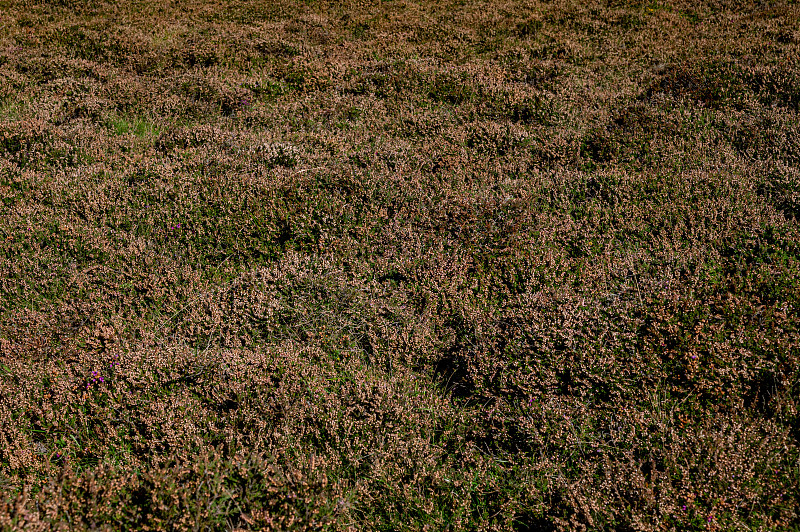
{"x":405,"y":265}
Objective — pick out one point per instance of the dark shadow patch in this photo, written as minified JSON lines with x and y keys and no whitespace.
{"x":715,"y":84}
{"x":761,"y":392}
{"x":452,"y":372}
{"x":629,"y":136}
{"x":450,"y":89}
{"x":529,"y":522}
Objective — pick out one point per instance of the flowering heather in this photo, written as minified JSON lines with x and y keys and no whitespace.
{"x":406,"y":265}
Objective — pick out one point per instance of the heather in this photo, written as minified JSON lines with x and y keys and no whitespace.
{"x":406,"y":265}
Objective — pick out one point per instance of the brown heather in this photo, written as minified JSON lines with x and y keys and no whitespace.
{"x":284,"y":265}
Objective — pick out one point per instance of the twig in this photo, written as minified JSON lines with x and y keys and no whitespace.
{"x":308,"y":170}
{"x":193,"y":301}
{"x":635,"y":278}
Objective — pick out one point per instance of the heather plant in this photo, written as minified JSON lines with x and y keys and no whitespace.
{"x":408,"y":266}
